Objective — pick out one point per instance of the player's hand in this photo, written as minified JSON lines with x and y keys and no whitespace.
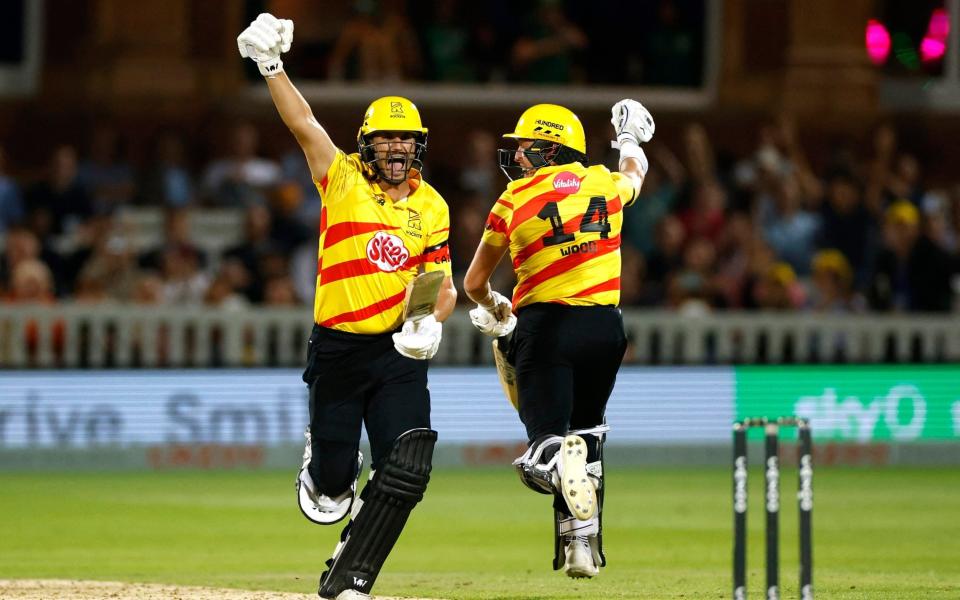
{"x":632,"y":122}
{"x":263,"y":42}
{"x":497,"y":321}
{"x":419,"y":340}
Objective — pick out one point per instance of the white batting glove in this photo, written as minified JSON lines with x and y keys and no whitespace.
{"x":419,"y":340}
{"x":263,"y":42}
{"x":632,"y":122}
{"x":497,"y":321}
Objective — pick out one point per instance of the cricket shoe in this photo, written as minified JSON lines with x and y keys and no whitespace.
{"x":349,"y":594}
{"x":576,"y":485}
{"x":315,"y":506}
{"x":579,"y":558}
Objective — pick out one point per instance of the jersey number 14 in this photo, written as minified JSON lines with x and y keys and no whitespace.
{"x":594,"y":220}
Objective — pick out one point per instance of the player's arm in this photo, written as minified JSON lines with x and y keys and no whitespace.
{"x":263,"y":42}
{"x":493,"y":315}
{"x":633,"y":125}
{"x":476,"y":283}
{"x":446,"y":300}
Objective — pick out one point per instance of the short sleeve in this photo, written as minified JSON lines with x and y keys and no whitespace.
{"x":495,"y":231}
{"x":625,"y":188}
{"x":436,"y":255}
{"x":343,"y":170}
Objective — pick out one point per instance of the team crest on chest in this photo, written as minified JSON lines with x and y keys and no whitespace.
{"x":387,"y":251}
{"x":413,"y":219}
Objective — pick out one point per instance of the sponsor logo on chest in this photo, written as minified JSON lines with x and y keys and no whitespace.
{"x":566,"y":183}
{"x":387,"y":251}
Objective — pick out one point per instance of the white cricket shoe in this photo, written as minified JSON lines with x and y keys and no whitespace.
{"x":579,"y":562}
{"x":575,"y":483}
{"x":349,"y":594}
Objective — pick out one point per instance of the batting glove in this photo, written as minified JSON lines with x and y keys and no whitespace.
{"x":419,"y":340}
{"x":496,"y":321}
{"x":632,"y":122}
{"x":263,"y":42}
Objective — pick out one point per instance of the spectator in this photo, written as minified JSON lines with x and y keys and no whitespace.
{"x":184,"y":283}
{"x":446,"y":44}
{"x":31,"y":282}
{"x":289,"y":231}
{"x":110,"y":267}
{"x":912,"y":273}
{"x":691,"y":290}
{"x":657,"y":198}
{"x":832,"y":284}
{"x":20,"y":245}
{"x":167,"y":180}
{"x":936,"y":212}
{"x":148,"y":290}
{"x":294,"y":170}
{"x":240,"y":178}
{"x":106,"y":176}
{"x":375,"y":45}
{"x":11,"y":204}
{"x":58,"y":203}
{"x":280,"y":291}
{"x":733,"y":258}
{"x":778,"y":289}
{"x":479,"y":175}
{"x":701,"y":162}
{"x":706,"y":215}
{"x":789,"y":229}
{"x":674,"y":53}
{"x":665,"y":258}
{"x":220,"y":294}
{"x":546,"y":50}
{"x":176,"y":237}
{"x":249,"y":253}
{"x":847,"y":225}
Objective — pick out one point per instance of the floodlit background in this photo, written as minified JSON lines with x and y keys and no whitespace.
{"x":795,"y":250}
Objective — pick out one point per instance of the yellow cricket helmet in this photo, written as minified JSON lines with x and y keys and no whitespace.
{"x":391,"y":113}
{"x":551,"y":123}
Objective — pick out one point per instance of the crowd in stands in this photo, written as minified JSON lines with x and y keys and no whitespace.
{"x":759,"y":231}
{"x":546,"y":41}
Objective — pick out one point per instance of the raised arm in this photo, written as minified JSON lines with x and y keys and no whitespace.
{"x":633,"y":125}
{"x":263,"y":42}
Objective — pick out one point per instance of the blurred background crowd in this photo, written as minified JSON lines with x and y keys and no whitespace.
{"x":118,"y":186}
{"x":542,"y":42}
{"x":711,"y":230}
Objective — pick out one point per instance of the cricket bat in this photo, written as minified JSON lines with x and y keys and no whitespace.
{"x":422,"y":295}
{"x":506,"y":371}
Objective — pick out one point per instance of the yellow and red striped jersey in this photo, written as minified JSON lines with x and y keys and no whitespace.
{"x":371,"y":247}
{"x":563,"y":227}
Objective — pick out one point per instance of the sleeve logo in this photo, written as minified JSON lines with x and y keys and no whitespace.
{"x":387,"y":251}
{"x":566,"y":183}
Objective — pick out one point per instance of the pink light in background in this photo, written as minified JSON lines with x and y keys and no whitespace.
{"x":939,"y":26}
{"x":934,"y":44}
{"x":878,"y":42}
{"x":932,"y":50}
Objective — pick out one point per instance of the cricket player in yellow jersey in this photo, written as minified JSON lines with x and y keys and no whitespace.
{"x":561,"y":222}
{"x":380,"y":224}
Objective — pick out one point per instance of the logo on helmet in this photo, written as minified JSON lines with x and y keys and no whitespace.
{"x":387,"y":251}
{"x":566,"y":183}
{"x":396,"y":107}
{"x":550,"y":124}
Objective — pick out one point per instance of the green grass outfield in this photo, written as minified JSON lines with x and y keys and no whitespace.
{"x":878,"y":533}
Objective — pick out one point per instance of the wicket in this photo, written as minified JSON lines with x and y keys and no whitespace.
{"x":771,"y":429}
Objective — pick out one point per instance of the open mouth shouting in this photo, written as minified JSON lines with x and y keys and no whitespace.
{"x":397,"y":165}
